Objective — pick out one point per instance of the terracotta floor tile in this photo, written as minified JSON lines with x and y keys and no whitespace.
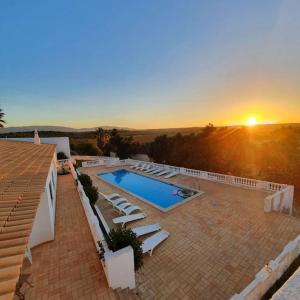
{"x":63,"y":269}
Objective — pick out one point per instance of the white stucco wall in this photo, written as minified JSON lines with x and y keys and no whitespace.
{"x":62,"y":143}
{"x":43,"y":228}
{"x":119,"y":268}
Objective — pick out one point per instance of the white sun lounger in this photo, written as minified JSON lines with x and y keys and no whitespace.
{"x":142,"y":230}
{"x":150,"y":169}
{"x":154,"y":240}
{"x":122,"y":205}
{"x":172,"y":174}
{"x":134,"y":166}
{"x":118,"y":202}
{"x":158,"y":170}
{"x":125,"y":219}
{"x":114,"y":199}
{"x":145,"y":167}
{"x":163,"y":172}
{"x":112,"y":196}
{"x":128,"y":210}
{"x":141,"y":166}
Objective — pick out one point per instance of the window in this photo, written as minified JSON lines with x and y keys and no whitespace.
{"x":53,"y":178}
{"x":50,"y":190}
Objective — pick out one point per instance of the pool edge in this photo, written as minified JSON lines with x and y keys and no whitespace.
{"x":199,"y":193}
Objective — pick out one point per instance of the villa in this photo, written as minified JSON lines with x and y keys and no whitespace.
{"x":209,"y":236}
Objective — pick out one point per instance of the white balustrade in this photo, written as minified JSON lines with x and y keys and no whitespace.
{"x":281,"y":199}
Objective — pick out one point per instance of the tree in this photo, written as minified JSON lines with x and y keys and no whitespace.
{"x":103,"y":138}
{"x":208,"y":130}
{"x":124,"y":147}
{"x":2,"y":122}
{"x":85,"y":148}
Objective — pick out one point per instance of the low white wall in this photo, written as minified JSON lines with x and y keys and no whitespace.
{"x":103,"y":161}
{"x":118,"y":266}
{"x":43,"y":228}
{"x":269,"y":274}
{"x":280,"y":201}
{"x":62,"y":143}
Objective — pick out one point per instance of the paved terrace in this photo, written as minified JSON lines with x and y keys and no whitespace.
{"x":218,"y":240}
{"x":68,"y":267}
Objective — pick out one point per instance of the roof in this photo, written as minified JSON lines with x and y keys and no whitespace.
{"x":23,"y":172}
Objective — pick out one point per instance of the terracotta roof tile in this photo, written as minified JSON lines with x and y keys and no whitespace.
{"x":23,"y":171}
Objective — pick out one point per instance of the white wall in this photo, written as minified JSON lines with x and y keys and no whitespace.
{"x":120,"y":268}
{"x":62,"y":143}
{"x":43,"y":228}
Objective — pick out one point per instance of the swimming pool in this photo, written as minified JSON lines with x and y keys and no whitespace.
{"x":161,"y":194}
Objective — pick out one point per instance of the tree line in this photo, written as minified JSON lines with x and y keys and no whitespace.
{"x":258,"y":152}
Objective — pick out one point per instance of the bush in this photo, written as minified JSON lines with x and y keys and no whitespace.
{"x":85,"y":148}
{"x":122,"y":237}
{"x":85,"y":180}
{"x":92,"y":194}
{"x":61,"y":155}
{"x":79,"y":163}
{"x":63,"y":171}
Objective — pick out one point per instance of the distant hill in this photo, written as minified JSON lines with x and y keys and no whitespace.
{"x":55,"y":128}
{"x":138,"y":134}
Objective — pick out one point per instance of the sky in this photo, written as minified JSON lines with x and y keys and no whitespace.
{"x":149,"y":64}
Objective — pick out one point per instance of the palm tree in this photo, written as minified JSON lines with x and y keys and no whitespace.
{"x":102,"y":138}
{"x":2,"y":122}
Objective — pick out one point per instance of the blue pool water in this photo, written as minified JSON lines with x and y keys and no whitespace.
{"x":161,"y":194}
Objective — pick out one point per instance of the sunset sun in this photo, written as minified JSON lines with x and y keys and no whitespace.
{"x":251,"y":121}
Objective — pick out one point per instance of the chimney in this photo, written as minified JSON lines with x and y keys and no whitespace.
{"x":36,"y":139}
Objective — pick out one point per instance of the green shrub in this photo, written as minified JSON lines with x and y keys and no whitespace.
{"x":63,"y":171}
{"x":79,"y":163}
{"x":92,"y":193}
{"x":85,"y":180}
{"x":122,"y":237}
{"x":61,"y":155}
{"x":85,"y":148}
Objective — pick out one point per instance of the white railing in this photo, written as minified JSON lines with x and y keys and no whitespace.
{"x":281,"y":200}
{"x":103,"y":161}
{"x":162,"y":166}
{"x":228,"y":179}
{"x":118,"y":266}
{"x":270,"y":273}
{"x":92,"y":163}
